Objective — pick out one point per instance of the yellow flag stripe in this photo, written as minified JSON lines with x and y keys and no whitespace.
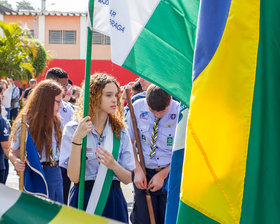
{"x":72,"y":216}
{"x":211,"y":169}
{"x":220,"y":117}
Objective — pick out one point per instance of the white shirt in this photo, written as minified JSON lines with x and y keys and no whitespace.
{"x":55,"y":148}
{"x":66,"y":113}
{"x":166,"y":132}
{"x":125,"y":157}
{"x":4,"y":113}
{"x":7,"y":96}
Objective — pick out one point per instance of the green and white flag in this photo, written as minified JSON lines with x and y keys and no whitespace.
{"x":152,"y":38}
{"x":21,"y":208}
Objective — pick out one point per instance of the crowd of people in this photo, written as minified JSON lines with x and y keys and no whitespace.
{"x":56,"y":124}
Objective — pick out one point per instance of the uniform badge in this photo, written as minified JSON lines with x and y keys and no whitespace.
{"x":143,"y":137}
{"x":169,"y":125}
{"x":172,"y":116}
{"x":144,"y":115}
{"x":6,"y":132}
{"x":89,"y":152}
{"x":169,"y":141}
{"x":64,"y":109}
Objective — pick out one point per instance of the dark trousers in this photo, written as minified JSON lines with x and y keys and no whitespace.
{"x":2,"y":176}
{"x":9,"y":113}
{"x":14,"y":113}
{"x":66,"y":184}
{"x":115,"y":208}
{"x":140,"y":213}
{"x":6,"y":161}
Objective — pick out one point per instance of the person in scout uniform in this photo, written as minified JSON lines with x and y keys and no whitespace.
{"x":156,"y":118}
{"x":61,"y":76}
{"x":44,"y":126}
{"x":108,"y":152}
{"x":66,"y":114}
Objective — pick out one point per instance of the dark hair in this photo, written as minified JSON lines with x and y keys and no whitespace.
{"x":136,"y":87}
{"x":56,"y":73}
{"x":72,"y":100}
{"x":157,"y":99}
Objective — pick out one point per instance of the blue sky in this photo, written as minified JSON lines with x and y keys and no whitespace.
{"x":60,"y":5}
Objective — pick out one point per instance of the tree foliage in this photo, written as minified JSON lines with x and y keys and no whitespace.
{"x":22,"y":57}
{"x":23,"y":4}
{"x":39,"y":58}
{"x":6,"y":4}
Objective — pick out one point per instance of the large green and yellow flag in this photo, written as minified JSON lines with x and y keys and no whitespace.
{"x":231,"y":166}
{"x":17,"y":207}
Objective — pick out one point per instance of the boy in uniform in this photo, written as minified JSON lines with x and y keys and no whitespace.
{"x":156,"y":118}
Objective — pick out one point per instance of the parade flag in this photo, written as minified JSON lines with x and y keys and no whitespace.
{"x":34,"y":177}
{"x":20,"y":208}
{"x":175,"y":174}
{"x":152,"y":38}
{"x":231,"y":166}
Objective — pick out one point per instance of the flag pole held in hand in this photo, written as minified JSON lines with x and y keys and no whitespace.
{"x":22,"y":149}
{"x":140,"y":152}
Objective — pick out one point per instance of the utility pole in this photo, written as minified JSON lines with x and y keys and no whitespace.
{"x":43,"y":8}
{"x":43,"y":5}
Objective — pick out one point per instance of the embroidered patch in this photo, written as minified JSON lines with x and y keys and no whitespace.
{"x":143,"y":138}
{"x":89,"y":152}
{"x":172,"y":116}
{"x":144,"y":115}
{"x":6,"y":132}
{"x":169,"y":141}
{"x":169,"y":125}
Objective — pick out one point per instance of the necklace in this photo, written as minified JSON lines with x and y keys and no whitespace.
{"x":98,"y":132}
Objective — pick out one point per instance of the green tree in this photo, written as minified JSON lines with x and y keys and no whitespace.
{"x":15,"y":50}
{"x":6,"y":4}
{"x":39,"y":56}
{"x":23,"y":4}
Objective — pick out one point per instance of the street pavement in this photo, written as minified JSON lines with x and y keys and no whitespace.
{"x":13,"y":181}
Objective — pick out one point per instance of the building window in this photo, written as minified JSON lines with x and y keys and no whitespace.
{"x":100,"y":39}
{"x":62,"y":37}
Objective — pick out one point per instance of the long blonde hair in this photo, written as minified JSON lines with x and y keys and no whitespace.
{"x":97,"y":84}
{"x":40,"y":115}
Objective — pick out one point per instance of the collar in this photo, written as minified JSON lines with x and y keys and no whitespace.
{"x":105,"y":131}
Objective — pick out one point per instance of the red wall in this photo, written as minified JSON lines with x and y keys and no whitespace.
{"x":76,"y":70}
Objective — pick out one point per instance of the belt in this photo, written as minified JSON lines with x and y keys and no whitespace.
{"x":156,"y":169}
{"x":89,"y":184}
{"x":52,"y":163}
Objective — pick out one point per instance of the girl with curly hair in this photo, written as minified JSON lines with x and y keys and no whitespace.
{"x":44,"y":124}
{"x":103,"y":127}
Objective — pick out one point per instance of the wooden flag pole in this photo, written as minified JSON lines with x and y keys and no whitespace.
{"x":85,"y":112}
{"x":22,"y":149}
{"x":140,"y":152}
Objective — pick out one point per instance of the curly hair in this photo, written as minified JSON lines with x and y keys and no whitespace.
{"x":97,"y":84}
{"x":40,"y":116}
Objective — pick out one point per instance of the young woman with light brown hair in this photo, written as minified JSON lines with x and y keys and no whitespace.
{"x":44,"y":126}
{"x":106,"y":135}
